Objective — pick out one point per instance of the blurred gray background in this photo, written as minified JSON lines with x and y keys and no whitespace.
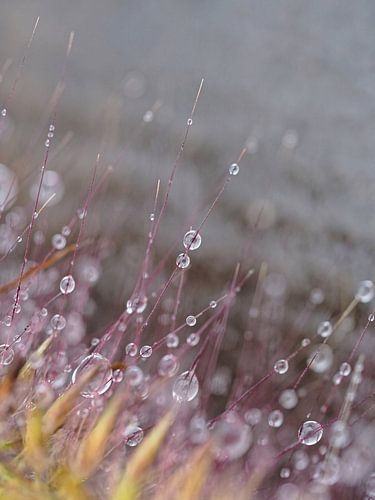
{"x":295,"y":80}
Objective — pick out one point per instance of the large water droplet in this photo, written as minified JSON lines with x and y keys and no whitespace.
{"x":310,"y":433}
{"x":102,"y":379}
{"x":186,"y":387}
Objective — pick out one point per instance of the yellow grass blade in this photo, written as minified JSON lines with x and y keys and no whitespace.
{"x":34,"y":450}
{"x":128,"y":488}
{"x":56,"y":415}
{"x":93,"y":446}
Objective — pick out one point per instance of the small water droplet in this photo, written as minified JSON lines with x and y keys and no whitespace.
{"x":182,"y":261}
{"x":145,"y":351}
{"x":345,"y":369}
{"x":58,"y":241}
{"x":234,"y":169}
{"x":288,"y":399}
{"x":133,"y":435}
{"x":67,"y":284}
{"x":281,"y":366}
{"x":191,"y":320}
{"x":325,"y":329}
{"x":131,"y":349}
{"x":168,"y":365}
{"x":310,"y":433}
{"x":134,"y":376}
{"x":58,"y":322}
{"x":193,"y":339}
{"x":148,"y":116}
{"x":172,"y":340}
{"x":365,"y":292}
{"x":6,"y":355}
{"x":275,"y":419}
{"x":192,"y":240}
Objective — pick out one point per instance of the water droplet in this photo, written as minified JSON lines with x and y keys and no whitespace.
{"x":58,"y":241}
{"x":172,"y":340}
{"x":290,"y":139}
{"x":233,"y":438}
{"x":193,"y":339}
{"x":134,"y":376}
{"x":6,"y":355}
{"x":190,"y":121}
{"x":145,"y":351}
{"x":133,"y":435}
{"x":191,"y":320}
{"x":67,"y":284}
{"x":94,"y":341}
{"x":152,"y":217}
{"x":253,"y":416}
{"x":288,"y":399}
{"x":101,"y":381}
{"x":339,"y":434}
{"x":117,"y":376}
{"x":322,"y":357}
{"x":325,"y":329}
{"x":365,"y":292}
{"x":281,"y":366}
{"x":148,"y":116}
{"x":316,"y":296}
{"x":131,"y":349}
{"x":327,"y":471}
{"x":3,"y":112}
{"x":345,"y":369}
{"x":198,"y":430}
{"x":285,"y":473}
{"x":81,"y":213}
{"x":234,"y":169}
{"x":310,"y":433}
{"x":305,"y":342}
{"x":275,"y":418}
{"x":213,"y":304}
{"x":186,"y":387}
{"x":65,"y":231}
{"x":182,"y":261}
{"x":168,"y":365}
{"x":137,"y":304}
{"x":58,"y":322}
{"x":192,"y":240}
{"x":51,"y":185}
{"x":371,"y":317}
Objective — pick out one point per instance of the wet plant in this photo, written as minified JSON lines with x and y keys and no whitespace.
{"x":148,"y":405}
